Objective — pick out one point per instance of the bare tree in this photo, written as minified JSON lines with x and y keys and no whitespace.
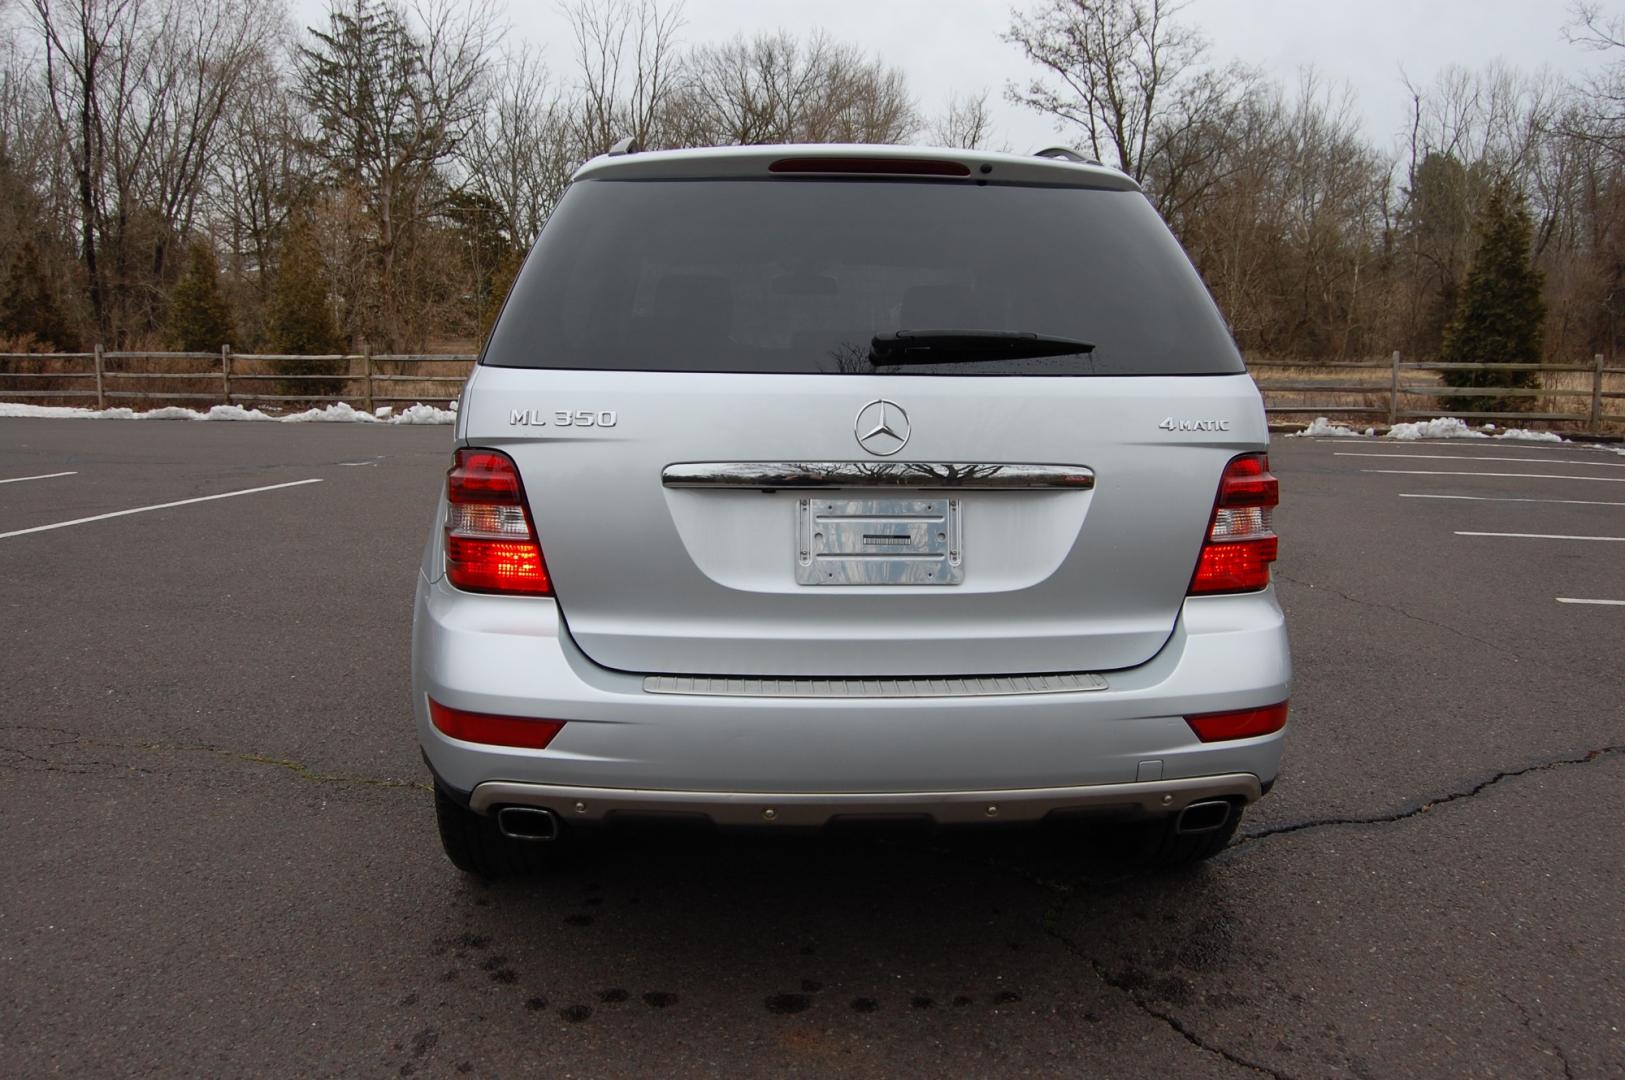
{"x":776,"y":88}
{"x":137,"y":91}
{"x":1117,"y":67}
{"x":260,"y":173}
{"x":520,"y":156}
{"x":965,"y":125}
{"x":625,"y":53}
{"x":746,"y":92}
{"x":1600,"y":115}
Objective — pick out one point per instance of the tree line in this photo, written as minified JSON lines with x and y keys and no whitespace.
{"x":177,"y":174}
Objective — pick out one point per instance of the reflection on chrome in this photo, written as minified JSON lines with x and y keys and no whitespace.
{"x":919,"y":475}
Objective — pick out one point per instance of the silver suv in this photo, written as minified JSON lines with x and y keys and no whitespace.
{"x":799,"y":484}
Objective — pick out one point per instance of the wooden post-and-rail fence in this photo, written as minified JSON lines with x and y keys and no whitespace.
{"x":1385,"y":392}
{"x":368,"y":381}
{"x":1399,"y":397}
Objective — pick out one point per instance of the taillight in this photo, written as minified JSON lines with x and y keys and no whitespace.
{"x":1238,"y":723}
{"x":1240,"y":542}
{"x":525,"y":731}
{"x":491,"y":545}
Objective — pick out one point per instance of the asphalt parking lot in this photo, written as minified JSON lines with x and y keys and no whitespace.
{"x":220,"y":855}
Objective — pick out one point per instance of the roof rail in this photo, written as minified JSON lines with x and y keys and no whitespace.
{"x":1064,"y":153}
{"x":627,"y":145}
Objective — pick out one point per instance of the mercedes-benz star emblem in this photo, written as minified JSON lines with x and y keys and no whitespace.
{"x":882,"y":427}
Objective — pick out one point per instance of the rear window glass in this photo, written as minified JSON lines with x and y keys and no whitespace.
{"x":784,"y":275}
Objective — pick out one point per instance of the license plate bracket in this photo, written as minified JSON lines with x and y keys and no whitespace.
{"x":895,"y":541}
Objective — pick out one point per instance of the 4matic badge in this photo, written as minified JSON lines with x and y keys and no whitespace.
{"x":1170,"y":424}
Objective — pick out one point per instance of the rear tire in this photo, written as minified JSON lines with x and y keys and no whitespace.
{"x":475,"y":845}
{"x":1156,"y":845}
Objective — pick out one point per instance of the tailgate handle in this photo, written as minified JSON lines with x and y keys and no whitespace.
{"x":909,"y":475}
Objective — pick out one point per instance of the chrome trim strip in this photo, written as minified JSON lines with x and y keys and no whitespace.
{"x":1153,"y":798}
{"x":962,"y":686}
{"x":917,"y":475}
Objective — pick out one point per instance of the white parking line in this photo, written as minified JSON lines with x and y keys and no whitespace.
{"x":160,"y":506}
{"x":1577,"y":600}
{"x":41,"y":476}
{"x":1485,"y":457}
{"x":1507,"y":498}
{"x":1520,"y":475}
{"x":1544,"y":536}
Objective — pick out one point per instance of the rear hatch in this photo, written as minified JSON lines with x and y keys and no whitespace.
{"x":730,"y":475}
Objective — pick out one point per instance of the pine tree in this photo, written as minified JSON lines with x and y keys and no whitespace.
{"x":1500,"y":314}
{"x":28,"y":307}
{"x":199,"y":317}
{"x":301,"y":319}
{"x":499,"y":283}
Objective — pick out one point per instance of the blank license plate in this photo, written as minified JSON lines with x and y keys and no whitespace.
{"x":898,"y":541}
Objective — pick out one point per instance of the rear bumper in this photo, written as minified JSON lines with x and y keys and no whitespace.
{"x":732,"y":756}
{"x":790,"y":809}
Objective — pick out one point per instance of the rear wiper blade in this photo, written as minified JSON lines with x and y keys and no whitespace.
{"x":968,"y":346}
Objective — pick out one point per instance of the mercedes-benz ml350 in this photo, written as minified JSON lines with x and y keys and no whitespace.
{"x":802,"y":484}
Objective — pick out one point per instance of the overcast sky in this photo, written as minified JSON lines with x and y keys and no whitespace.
{"x":953,"y":45}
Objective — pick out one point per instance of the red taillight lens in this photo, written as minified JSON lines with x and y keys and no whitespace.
{"x":491,"y":544}
{"x":487,"y":476}
{"x":1240,"y":543}
{"x":524,"y":731}
{"x":1238,"y":724}
{"x":1247,"y":482}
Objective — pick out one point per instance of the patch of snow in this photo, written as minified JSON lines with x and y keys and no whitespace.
{"x":1526,"y":435}
{"x":1322,"y":428}
{"x":426,"y":414}
{"x":1443,"y":427}
{"x":340,"y":412}
{"x":231,"y":412}
{"x":1449,"y":427}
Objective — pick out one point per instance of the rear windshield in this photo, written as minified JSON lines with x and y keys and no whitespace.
{"x":782,"y":275}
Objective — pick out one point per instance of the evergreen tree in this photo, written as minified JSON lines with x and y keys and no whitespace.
{"x":199,"y":317}
{"x":28,"y":307}
{"x":1500,"y":316}
{"x":500,"y":281}
{"x":301,"y":316}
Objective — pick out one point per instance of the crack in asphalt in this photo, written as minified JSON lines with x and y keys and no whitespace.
{"x":1421,"y":808}
{"x":1065,"y":891}
{"x":46,"y":764}
{"x":1168,"y":1019}
{"x":1396,"y":609}
{"x":305,"y":772}
{"x":1529,"y":1026}
{"x":72,"y":768}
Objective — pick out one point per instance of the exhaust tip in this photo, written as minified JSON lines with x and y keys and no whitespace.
{"x":1204,"y":816}
{"x":529,"y":823}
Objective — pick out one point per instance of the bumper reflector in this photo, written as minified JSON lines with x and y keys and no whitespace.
{"x":1239,"y":724}
{"x":523,"y":731}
